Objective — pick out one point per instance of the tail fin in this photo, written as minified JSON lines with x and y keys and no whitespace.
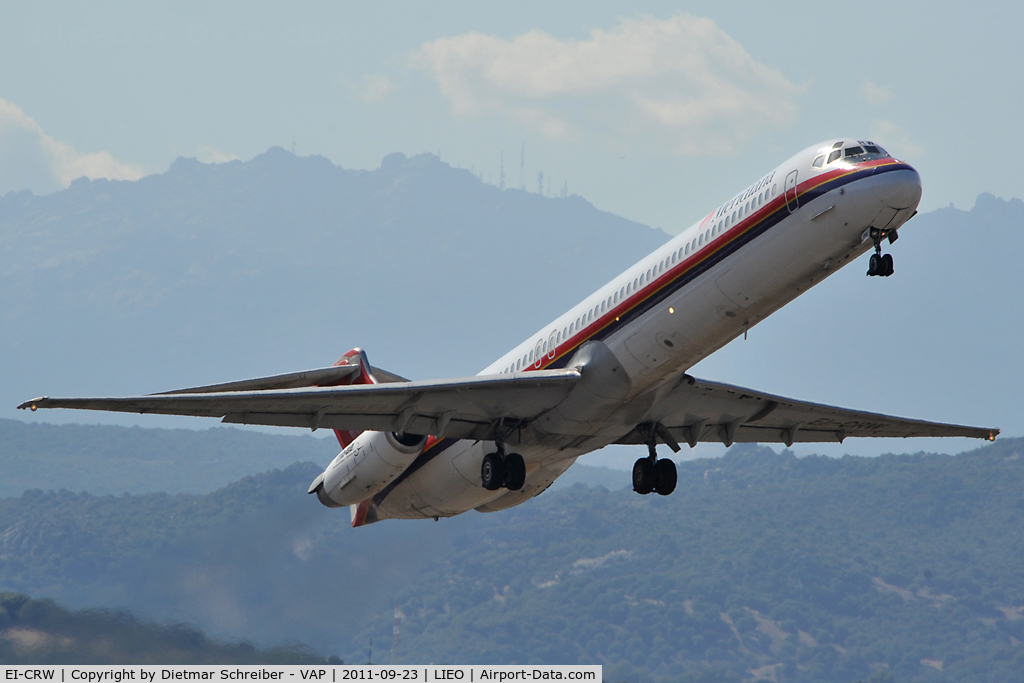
{"x":365,"y":376}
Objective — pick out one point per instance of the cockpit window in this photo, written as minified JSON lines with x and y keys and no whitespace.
{"x":835,"y":155}
{"x":872,"y":149}
{"x":818,"y":161}
{"x":837,"y":145}
{"x":854,"y":151}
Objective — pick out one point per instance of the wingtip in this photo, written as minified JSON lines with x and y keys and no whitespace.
{"x":34,"y":404}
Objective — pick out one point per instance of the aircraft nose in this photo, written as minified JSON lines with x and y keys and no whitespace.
{"x":901,"y":189}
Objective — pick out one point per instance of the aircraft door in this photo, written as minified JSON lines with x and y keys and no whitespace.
{"x":792,"y":203}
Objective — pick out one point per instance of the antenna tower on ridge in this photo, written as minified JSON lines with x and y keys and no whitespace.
{"x":396,"y":637}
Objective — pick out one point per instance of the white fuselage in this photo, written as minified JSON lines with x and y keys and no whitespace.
{"x":747,"y":258}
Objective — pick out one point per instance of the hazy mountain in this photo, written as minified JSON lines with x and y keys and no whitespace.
{"x":108,"y":459}
{"x":212,"y":272}
{"x":220,"y":271}
{"x":759,"y":564}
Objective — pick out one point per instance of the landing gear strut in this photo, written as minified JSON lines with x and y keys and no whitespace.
{"x":650,"y":473}
{"x":499,"y":469}
{"x":880,"y":265}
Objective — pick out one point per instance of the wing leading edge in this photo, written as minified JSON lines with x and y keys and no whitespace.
{"x":462,"y":408}
{"x":699,"y":411}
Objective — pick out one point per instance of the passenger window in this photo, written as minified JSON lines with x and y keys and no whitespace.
{"x":615,"y":298}
{"x":746,"y":207}
{"x":834,"y":155}
{"x":673,"y":257}
{"x":531,"y":356}
{"x":687,"y":250}
{"x":707,"y":235}
{"x":819,"y":161}
{"x":700,"y":240}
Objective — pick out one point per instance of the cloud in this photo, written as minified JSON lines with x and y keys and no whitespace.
{"x":375,"y":88}
{"x":681,"y":81}
{"x":875,"y":94}
{"x":31,"y":159}
{"x":895,"y":139}
{"x":212,"y":155}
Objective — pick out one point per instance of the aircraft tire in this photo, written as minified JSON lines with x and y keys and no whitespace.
{"x":875,"y":265}
{"x":665,"y":476}
{"x":887,"y":268}
{"x":492,"y":472}
{"x":515,"y":472}
{"x":643,"y":476}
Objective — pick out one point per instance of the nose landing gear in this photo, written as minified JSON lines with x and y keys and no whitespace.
{"x":651,"y":474}
{"x":500,"y":469}
{"x":880,"y":265}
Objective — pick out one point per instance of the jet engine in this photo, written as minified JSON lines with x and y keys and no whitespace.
{"x":366,"y":466}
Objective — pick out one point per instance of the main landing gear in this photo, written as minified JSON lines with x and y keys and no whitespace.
{"x":500,"y":469}
{"x":651,"y":474}
{"x":880,"y":265}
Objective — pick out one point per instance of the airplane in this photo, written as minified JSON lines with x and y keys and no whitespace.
{"x":611,"y":370}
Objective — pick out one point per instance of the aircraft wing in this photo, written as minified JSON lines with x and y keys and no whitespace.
{"x":459,"y":408}
{"x":696,"y":410}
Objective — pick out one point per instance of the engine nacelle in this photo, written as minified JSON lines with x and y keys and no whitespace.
{"x":366,"y":466}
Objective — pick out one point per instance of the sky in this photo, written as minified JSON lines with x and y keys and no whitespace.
{"x":655,"y":111}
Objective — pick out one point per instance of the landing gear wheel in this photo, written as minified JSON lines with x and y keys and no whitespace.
{"x":492,"y":472}
{"x":515,"y":472}
{"x":664,"y":477}
{"x":644,"y":476}
{"x":875,"y":265}
{"x":887,"y":268}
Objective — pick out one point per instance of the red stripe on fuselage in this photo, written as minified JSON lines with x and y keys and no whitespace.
{"x":687,"y":265}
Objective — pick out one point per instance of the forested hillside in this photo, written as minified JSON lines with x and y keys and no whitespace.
{"x":759,"y":565}
{"x":42,"y":632}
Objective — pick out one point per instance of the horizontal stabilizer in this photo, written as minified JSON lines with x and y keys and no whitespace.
{"x":291,"y":380}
